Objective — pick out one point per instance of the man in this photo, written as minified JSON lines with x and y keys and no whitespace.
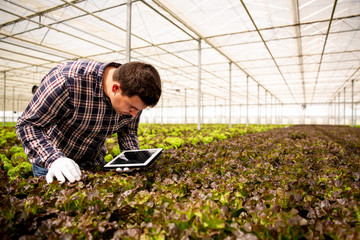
{"x":77,"y":105}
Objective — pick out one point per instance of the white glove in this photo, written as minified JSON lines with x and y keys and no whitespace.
{"x":64,"y":167}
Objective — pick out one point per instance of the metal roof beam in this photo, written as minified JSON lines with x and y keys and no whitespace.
{"x":87,"y":13}
{"x":266,"y":46}
{"x":299,"y":44}
{"x":35,"y":14}
{"x":344,"y":84}
{"x":161,"y":5}
{"x":63,"y":21}
{"x":323,"y":50}
{"x":101,"y":19}
{"x":52,"y":28}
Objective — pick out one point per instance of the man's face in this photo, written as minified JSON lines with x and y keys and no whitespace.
{"x":126,"y":105}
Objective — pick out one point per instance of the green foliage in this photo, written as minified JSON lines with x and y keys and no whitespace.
{"x":8,"y":124}
{"x":10,"y":136}
{"x":110,"y":140}
{"x":193,"y":140}
{"x":299,"y":182}
{"x":18,"y":158}
{"x":3,"y":143}
{"x":15,"y":162}
{"x":18,"y":166}
{"x":22,"y":170}
{"x":175,"y":142}
{"x":155,"y":135}
{"x":219,"y":136}
{"x":114,"y":151}
{"x":16,"y":149}
{"x":6,"y":162}
{"x":108,"y":158}
{"x":161,"y":145}
{"x":208,"y":139}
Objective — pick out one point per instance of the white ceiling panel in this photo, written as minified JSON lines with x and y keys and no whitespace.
{"x":301,"y":51}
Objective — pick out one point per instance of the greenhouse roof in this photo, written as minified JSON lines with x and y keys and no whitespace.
{"x":291,"y":52}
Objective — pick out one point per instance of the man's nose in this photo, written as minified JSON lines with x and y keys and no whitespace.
{"x":133,"y":112}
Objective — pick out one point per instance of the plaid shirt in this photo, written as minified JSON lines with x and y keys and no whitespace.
{"x":70,"y":116}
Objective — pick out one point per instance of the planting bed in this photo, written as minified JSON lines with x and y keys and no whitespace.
{"x":300,"y":182}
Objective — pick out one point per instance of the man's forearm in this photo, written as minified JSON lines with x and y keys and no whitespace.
{"x":36,"y":145}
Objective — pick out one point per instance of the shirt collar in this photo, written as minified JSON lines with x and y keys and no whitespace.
{"x":99,"y":92}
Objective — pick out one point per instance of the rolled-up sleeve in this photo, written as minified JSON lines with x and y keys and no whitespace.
{"x":49,"y":105}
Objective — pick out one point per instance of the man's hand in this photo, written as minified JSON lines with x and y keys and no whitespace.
{"x":64,"y":167}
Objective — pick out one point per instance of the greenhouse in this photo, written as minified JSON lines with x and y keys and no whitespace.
{"x":257,"y":122}
{"x":228,"y":61}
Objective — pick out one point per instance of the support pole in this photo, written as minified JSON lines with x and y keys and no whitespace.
{"x":13,"y":107}
{"x":202,"y":108}
{"x":356,"y":112}
{"x":162,"y":109}
{"x":281,"y":113}
{"x":185,"y":106}
{"x":265,"y":107}
{"x":339,"y":108}
{"x":276,"y":112}
{"x":258,"y":100}
{"x":352,"y":103}
{"x":334,"y":111}
{"x":168,"y":114}
{"x":223,"y":108}
{"x":329,"y":114}
{"x":240,"y":113}
{"x":247,"y":101}
{"x":18,"y":103}
{"x":216,"y":117}
{"x":344,"y":105}
{"x":230,"y":94}
{"x":199,"y":85}
{"x":4,"y":97}
{"x":271,"y":109}
{"x":128,"y":30}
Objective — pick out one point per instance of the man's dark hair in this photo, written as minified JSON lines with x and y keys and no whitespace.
{"x":141,"y":79}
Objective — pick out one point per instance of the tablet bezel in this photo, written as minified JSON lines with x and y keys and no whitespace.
{"x":154,"y":156}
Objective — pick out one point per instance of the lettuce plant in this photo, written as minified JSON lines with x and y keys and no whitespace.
{"x":300,"y":182}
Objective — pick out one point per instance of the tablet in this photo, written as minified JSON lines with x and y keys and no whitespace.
{"x":134,"y":158}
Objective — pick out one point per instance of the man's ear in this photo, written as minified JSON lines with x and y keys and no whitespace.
{"x":116,"y":87}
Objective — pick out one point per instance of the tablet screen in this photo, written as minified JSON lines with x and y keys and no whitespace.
{"x":134,"y":158}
